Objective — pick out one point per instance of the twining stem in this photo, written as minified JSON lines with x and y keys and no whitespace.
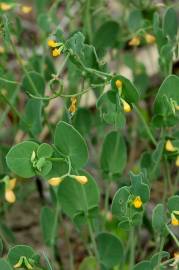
{"x":150,"y":135}
{"x":173,"y":235}
{"x":132,"y":250}
{"x":162,"y":242}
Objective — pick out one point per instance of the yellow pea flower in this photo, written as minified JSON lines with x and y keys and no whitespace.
{"x":52,"y":43}
{"x":135,"y":41}
{"x":73,"y":106}
{"x":137,"y":202}
{"x":174,"y":220}
{"x":56,"y":52}
{"x":5,"y":7}
{"x":26,"y":9}
{"x":81,"y":179}
{"x":9,"y":193}
{"x":55,"y":181}
{"x":150,"y":39}
{"x":169,"y":146}
{"x":177,"y":161}
{"x":126,"y":106}
{"x":118,"y":84}
{"x":176,"y":260}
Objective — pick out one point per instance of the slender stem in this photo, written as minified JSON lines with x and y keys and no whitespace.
{"x":162,"y":242}
{"x":150,"y":135}
{"x":9,"y":81}
{"x":88,"y":20}
{"x":92,"y":236}
{"x":132,"y":250}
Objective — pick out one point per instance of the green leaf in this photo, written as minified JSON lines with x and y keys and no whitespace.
{"x":71,"y":144}
{"x":157,"y":257}
{"x":139,"y":188}
{"x":4,"y":265}
{"x":32,"y":116}
{"x":120,"y":201}
{"x":169,"y":89}
{"x":159,"y":219}
{"x":129,"y":91}
{"x":107,"y":35}
{"x":47,"y":221}
{"x":18,"y":251}
{"x":19,"y":159}
{"x":173,"y":203}
{"x":170,"y":24}
{"x":76,"y":199}
{"x":135,"y":20}
{"x":144,"y":265}
{"x":83,"y":121}
{"x":114,"y":154}
{"x":110,"y":249}
{"x":44,"y":150}
{"x":89,"y":263}
{"x":34,"y":83}
{"x":81,"y":53}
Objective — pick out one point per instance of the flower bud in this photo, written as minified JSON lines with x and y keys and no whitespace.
{"x":81,"y":179}
{"x":135,"y":41}
{"x":55,"y":181}
{"x":150,"y":39}
{"x":126,"y":106}
{"x":169,"y":146}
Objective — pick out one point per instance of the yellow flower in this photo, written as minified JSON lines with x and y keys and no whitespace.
{"x":55,"y":181}
{"x":26,"y":9}
{"x":5,"y":7}
{"x":81,"y":179}
{"x":56,"y":52}
{"x":52,"y":43}
{"x":169,"y":146}
{"x":174,"y":220}
{"x":135,"y":41}
{"x":9,"y":193}
{"x":2,"y":50}
{"x":177,"y":107}
{"x":73,"y":106}
{"x":137,"y":202}
{"x":150,"y":39}
{"x":176,"y":260}
{"x":177,"y":161}
{"x":118,"y":84}
{"x":126,"y":106}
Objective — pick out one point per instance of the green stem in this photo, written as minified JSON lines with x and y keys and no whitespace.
{"x":132,"y":250}
{"x":88,"y":20}
{"x":150,"y":135}
{"x":92,"y":236}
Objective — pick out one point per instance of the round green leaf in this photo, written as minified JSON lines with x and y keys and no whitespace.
{"x":170,"y":90}
{"x":18,"y":251}
{"x":34,"y":83}
{"x":19,"y":159}
{"x":110,"y":249}
{"x":44,"y":150}
{"x":89,"y":263}
{"x":159,"y":218}
{"x":106,"y":35}
{"x":70,"y":143}
{"x":129,"y":91}
{"x":114,"y":154}
{"x":173,"y":203}
{"x":75,"y":198}
{"x":4,"y":265}
{"x":119,"y":203}
{"x":170,"y":24}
